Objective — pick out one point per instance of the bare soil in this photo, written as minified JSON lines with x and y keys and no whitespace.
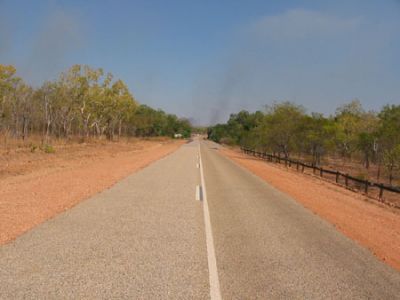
{"x":36,"y":186}
{"x":375,"y":226}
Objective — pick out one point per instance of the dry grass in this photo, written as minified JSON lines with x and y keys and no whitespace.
{"x":356,"y":168}
{"x":19,"y":157}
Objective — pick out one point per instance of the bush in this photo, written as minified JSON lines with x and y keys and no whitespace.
{"x":33,"y":147}
{"x":49,"y":149}
{"x":227,"y":141}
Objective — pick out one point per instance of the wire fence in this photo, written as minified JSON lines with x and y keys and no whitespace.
{"x":382,"y":192}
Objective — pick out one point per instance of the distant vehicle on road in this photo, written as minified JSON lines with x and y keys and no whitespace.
{"x":178,"y":136}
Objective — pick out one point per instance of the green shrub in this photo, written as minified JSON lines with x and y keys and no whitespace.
{"x":227,"y":141}
{"x":33,"y":147}
{"x":48,"y":148}
{"x":361,"y":176}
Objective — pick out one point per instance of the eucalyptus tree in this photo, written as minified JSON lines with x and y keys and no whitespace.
{"x":82,"y":100}
{"x":282,"y":123}
{"x":389,"y":134}
{"x":8,"y":83}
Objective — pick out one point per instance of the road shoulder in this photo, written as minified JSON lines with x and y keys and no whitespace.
{"x":29,"y":200}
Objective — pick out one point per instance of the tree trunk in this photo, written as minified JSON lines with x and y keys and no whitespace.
{"x":367,"y":160}
{"x":378,"y":174}
{"x":390,"y":174}
{"x":119,"y":129}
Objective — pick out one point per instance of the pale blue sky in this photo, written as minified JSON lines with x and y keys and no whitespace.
{"x":206,"y":59}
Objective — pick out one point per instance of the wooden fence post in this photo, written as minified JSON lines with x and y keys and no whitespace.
{"x":380,"y":191}
{"x":277,"y":159}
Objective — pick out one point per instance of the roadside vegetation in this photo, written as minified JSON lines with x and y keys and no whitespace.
{"x":364,"y":143}
{"x":82,"y":102}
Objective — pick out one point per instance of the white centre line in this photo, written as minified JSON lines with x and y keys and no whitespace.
{"x":198,"y":193}
{"x":215,"y":291}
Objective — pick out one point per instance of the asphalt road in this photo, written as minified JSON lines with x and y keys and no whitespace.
{"x":149,"y":238}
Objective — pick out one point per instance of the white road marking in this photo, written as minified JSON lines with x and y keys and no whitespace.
{"x":215,"y":291}
{"x":198,"y":192}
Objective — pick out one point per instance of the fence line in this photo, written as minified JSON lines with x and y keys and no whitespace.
{"x":361,"y":184}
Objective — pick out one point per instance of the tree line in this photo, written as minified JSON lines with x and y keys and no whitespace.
{"x":286,"y":129}
{"x":82,"y":101}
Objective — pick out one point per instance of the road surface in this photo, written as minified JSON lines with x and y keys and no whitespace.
{"x":149,"y":237}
